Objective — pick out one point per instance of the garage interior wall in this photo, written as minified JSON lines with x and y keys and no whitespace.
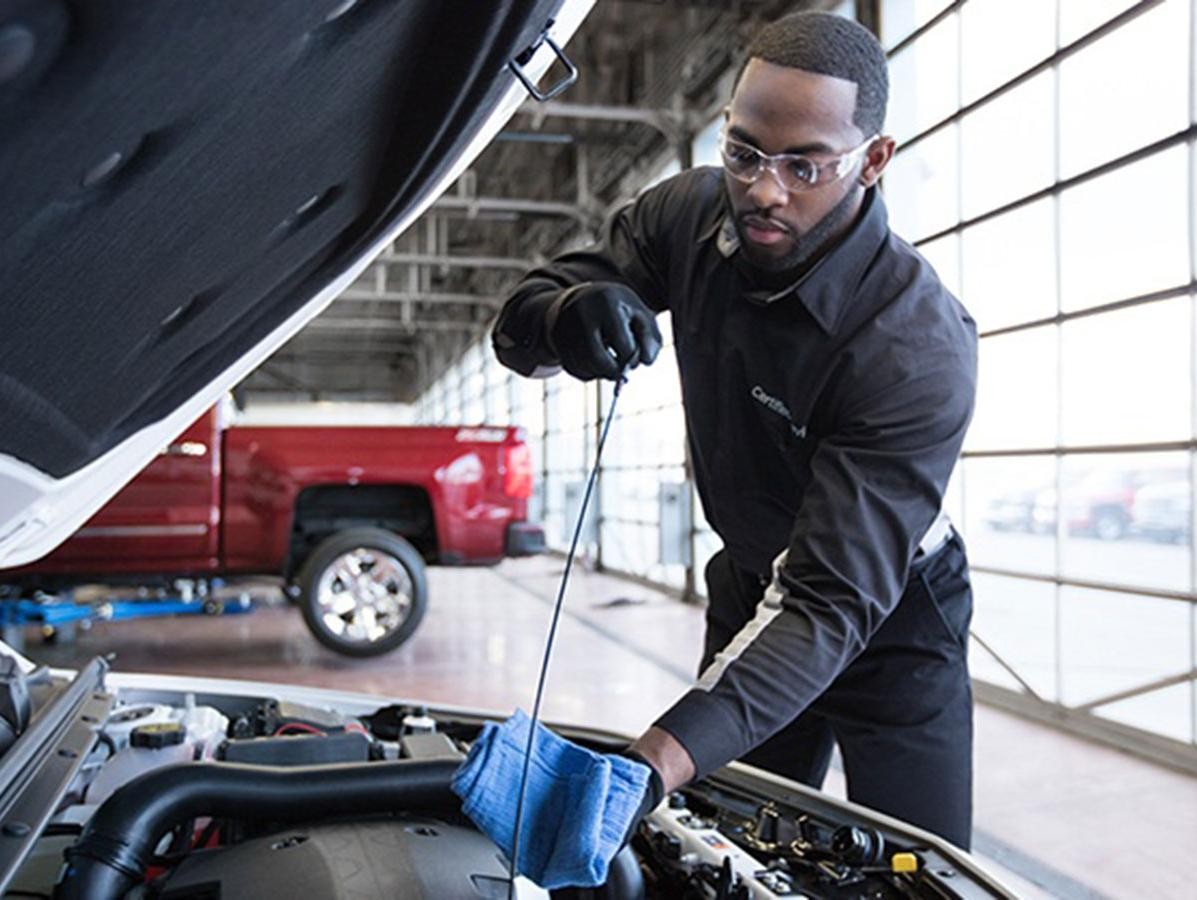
{"x":1047,"y":167}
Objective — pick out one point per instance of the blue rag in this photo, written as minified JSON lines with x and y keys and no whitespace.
{"x":577,"y":809}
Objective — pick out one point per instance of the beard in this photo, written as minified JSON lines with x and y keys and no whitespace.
{"x":807,"y":247}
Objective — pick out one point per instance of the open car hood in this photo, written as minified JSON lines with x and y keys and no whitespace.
{"x":186,"y":185}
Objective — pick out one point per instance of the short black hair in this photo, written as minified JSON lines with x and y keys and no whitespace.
{"x":828,"y":44}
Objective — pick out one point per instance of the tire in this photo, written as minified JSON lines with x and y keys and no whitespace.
{"x":1110,"y":525}
{"x":347,"y":619}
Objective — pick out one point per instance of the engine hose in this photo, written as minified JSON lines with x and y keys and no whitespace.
{"x":111,"y":855}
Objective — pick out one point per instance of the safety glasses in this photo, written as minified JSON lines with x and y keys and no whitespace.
{"x":794,"y":171}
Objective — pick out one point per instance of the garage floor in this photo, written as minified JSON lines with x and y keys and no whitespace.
{"x":1065,"y":817}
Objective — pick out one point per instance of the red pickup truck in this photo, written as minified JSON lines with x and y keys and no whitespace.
{"x":347,"y":515}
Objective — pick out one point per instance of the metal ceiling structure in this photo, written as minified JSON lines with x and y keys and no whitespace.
{"x":653,"y":73}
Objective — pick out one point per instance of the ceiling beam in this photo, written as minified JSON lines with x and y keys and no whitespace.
{"x":335,"y":323}
{"x":365,"y":295}
{"x":468,"y":262}
{"x":472,"y":206}
{"x":332,"y":353}
{"x":671,"y":123}
{"x":287,"y":381}
{"x":328,"y":343}
{"x":534,"y":137}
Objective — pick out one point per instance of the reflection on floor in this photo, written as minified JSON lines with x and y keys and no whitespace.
{"x":1076,"y":819}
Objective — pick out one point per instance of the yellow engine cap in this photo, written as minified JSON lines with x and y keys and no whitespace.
{"x":904,"y":862}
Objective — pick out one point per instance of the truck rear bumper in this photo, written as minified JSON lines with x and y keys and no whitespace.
{"x":524,"y":539}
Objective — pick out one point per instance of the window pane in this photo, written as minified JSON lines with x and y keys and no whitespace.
{"x":953,"y":496}
{"x":1016,"y":392}
{"x":705,"y":148}
{"x":1079,"y":17}
{"x":1128,"y":89}
{"x":564,"y":452}
{"x":1010,"y":513}
{"x":999,"y":294}
{"x":630,"y":511}
{"x":922,"y":186}
{"x":630,"y":496}
{"x":1114,"y":642}
{"x":567,"y":404}
{"x":1002,"y":38}
{"x":474,"y":413}
{"x":650,"y":387}
{"x":498,"y":394}
{"x":927,"y":70}
{"x":1126,"y":375}
{"x":1126,"y":519}
{"x":1017,"y":619}
{"x":1126,"y":233}
{"x":1009,"y":147}
{"x":536,"y":508}
{"x":528,"y":409}
{"x":1165,"y":712}
{"x":901,"y":18}
{"x":473,"y":387}
{"x":944,"y":256}
{"x":649,"y":438}
{"x":845,"y":8}
{"x":527,"y":404}
{"x":706,"y":545}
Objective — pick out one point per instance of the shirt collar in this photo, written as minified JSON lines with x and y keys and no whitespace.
{"x":828,"y":286}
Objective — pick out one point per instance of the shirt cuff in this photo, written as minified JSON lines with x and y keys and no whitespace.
{"x":711,"y":733}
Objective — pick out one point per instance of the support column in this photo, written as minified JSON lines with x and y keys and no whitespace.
{"x":868,"y":14}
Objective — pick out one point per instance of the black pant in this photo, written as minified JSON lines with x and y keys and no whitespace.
{"x":901,"y":713}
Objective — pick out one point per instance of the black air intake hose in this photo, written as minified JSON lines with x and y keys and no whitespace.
{"x":111,"y":855}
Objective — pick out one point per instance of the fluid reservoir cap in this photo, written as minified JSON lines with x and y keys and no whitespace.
{"x":904,"y":862}
{"x":157,"y":735}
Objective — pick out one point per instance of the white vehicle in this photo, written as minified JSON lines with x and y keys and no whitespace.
{"x":153,"y":786}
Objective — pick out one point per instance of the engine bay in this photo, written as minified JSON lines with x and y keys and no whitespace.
{"x":195,"y":795}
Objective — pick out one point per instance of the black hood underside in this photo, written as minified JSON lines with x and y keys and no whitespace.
{"x":179,"y":178}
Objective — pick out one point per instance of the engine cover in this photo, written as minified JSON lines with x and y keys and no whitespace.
{"x":395,"y":859}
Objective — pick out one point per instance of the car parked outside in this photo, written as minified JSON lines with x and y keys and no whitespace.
{"x":1096,"y":503}
{"x":1163,"y":511}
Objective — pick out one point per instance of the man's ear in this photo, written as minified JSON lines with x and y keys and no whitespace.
{"x":877,"y":157}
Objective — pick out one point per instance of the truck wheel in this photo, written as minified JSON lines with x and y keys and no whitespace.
{"x":363,"y":591}
{"x":1110,"y":524}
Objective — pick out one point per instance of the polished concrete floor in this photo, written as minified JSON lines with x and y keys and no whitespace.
{"x":1058,"y":816}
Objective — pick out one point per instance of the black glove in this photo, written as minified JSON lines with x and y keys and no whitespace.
{"x":601,"y":328}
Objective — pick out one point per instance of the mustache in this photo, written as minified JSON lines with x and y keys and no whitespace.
{"x":764,"y":221}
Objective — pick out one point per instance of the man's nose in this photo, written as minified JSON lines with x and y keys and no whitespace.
{"x":767,"y":191}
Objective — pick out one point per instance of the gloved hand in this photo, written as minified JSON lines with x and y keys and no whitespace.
{"x":579,"y":809}
{"x":654,"y":793}
{"x":601,"y":328}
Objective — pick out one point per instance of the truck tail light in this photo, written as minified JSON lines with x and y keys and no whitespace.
{"x":517,"y":480}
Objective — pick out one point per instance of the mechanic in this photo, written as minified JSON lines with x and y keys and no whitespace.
{"x":828,"y":378}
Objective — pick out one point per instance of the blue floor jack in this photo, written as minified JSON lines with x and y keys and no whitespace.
{"x":59,"y":614}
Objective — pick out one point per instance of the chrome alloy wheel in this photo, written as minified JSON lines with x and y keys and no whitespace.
{"x":364,"y":596}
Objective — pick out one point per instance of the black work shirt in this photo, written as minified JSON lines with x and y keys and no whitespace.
{"x":824,"y":420}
